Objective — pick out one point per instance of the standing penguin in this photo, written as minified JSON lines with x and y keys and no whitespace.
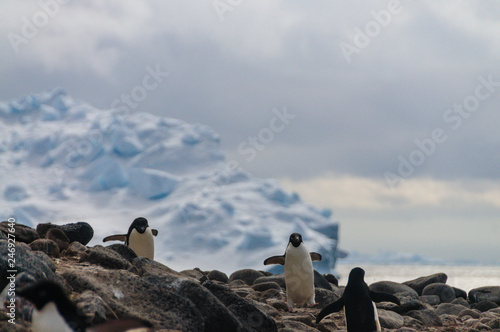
{"x":299,"y":273}
{"x":358,"y":303}
{"x":54,"y":312}
{"x":139,"y":238}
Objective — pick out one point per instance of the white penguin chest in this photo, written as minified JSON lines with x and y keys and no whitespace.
{"x":142,"y":244}
{"x":299,"y":274}
{"x":49,"y":320}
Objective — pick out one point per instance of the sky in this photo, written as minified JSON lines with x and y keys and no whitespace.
{"x":386,"y":112}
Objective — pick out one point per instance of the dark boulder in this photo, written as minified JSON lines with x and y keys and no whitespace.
{"x":104,"y":257}
{"x":278,"y":278}
{"x":392,"y":288}
{"x":80,"y":231}
{"x":446,"y":293}
{"x":217,"y":276}
{"x":419,"y":284}
{"x":489,"y":293}
{"x":22,"y":232}
{"x":321,"y":282}
{"x":46,"y":246}
{"x":247,"y":275}
{"x":123,"y":251}
{"x":59,"y":237}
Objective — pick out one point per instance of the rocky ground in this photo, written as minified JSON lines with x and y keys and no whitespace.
{"x":111,"y":282}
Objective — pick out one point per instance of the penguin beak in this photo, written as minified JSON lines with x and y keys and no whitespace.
{"x":141,"y":229}
{"x":295,"y":239}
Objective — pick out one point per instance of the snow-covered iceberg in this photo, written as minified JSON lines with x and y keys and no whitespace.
{"x":63,"y":160}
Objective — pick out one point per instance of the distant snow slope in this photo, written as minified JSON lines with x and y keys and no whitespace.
{"x":64,"y":161}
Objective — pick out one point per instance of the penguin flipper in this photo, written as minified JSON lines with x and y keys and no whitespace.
{"x":384,"y":297}
{"x":117,"y":237}
{"x":119,"y":325}
{"x":275,"y":260}
{"x":330,"y":309}
{"x":315,"y":256}
{"x":154,"y":231}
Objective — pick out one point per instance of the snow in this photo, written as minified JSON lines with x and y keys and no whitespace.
{"x":63,"y":160}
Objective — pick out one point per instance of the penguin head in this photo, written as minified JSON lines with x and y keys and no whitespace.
{"x":43,"y":292}
{"x":295,"y":239}
{"x":357,"y":275}
{"x":140,"y":224}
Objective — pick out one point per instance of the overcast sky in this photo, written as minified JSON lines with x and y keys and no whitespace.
{"x":387,"y":112}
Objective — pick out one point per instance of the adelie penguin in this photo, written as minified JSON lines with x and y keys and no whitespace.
{"x":358,"y":302}
{"x":299,"y":273}
{"x":140,"y":238}
{"x":54,"y":312}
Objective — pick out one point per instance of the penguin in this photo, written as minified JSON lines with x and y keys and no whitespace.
{"x":299,"y":273}
{"x":358,"y":302}
{"x":54,"y":312}
{"x":139,"y":238}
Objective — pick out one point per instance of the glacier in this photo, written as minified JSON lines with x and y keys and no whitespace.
{"x":63,"y":160}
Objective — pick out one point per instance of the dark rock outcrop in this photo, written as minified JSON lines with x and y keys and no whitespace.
{"x":79,"y":231}
{"x":419,"y":284}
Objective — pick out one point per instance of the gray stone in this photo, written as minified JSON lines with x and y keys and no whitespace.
{"x":22,"y":232}
{"x":324,"y":297}
{"x":249,"y":315}
{"x":470,"y":312}
{"x":59,"y":237}
{"x":46,"y":246}
{"x":278,"y":278}
{"x":80,"y":231}
{"x":484,"y":306}
{"x":331,"y":279}
{"x":247,"y":275}
{"x":104,"y":257}
{"x":419,"y":284}
{"x":445,"y":292}
{"x":391,"y":287}
{"x":427,"y":317}
{"x":460,"y":293}
{"x":449,"y":309}
{"x":123,"y":251}
{"x":195,"y":274}
{"x":430,"y":299}
{"x":45,"y":258}
{"x":75,"y":249}
{"x":461,"y":301}
{"x":321,"y":282}
{"x":263,"y":286}
{"x":389,"y":319}
{"x":490,"y":293}
{"x":217,"y":276}
{"x":26,"y":261}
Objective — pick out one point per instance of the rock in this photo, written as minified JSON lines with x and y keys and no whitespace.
{"x":484,"y":306}
{"x":123,"y":251}
{"x":59,"y":238}
{"x":391,"y":287}
{"x":449,"y":320}
{"x":104,"y":257}
{"x":460,"y":293}
{"x":449,"y":309}
{"x":321,"y":282}
{"x":461,"y":301}
{"x":247,"y":275}
{"x":46,"y":259}
{"x":445,"y":292}
{"x":252,"y":318}
{"x":306,"y":319}
{"x":49,"y":247}
{"x":265,"y":308}
{"x":411,"y":322}
{"x":389,"y":319}
{"x":490,"y":293}
{"x":324,"y":297}
{"x":430,"y":299}
{"x":26,"y":261}
{"x":470,"y":312}
{"x":406,"y":329}
{"x":419,"y":284}
{"x":75,"y":249}
{"x":294,"y":326}
{"x":263,"y":286}
{"x":166,"y":301}
{"x":427,"y":317}
{"x":331,"y":279}
{"x":22,"y":232}
{"x":146,"y":267}
{"x":91,"y":306}
{"x":217,"y":276}
{"x":278,"y":278}
{"x":195,"y":274}
{"x":80,"y":231}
